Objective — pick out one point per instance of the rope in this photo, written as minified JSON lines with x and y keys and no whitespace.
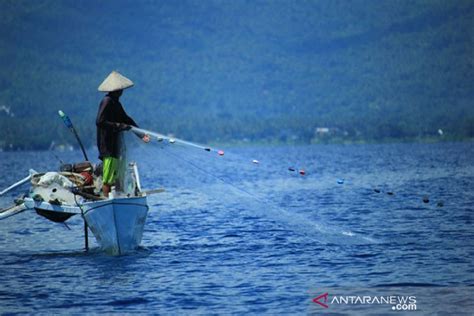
{"x":171,"y":140}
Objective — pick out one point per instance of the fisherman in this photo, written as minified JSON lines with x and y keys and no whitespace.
{"x":111,"y":120}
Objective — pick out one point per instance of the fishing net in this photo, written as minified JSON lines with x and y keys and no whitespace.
{"x":248,"y":187}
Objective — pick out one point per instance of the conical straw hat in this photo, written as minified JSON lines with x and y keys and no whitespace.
{"x":114,"y":82}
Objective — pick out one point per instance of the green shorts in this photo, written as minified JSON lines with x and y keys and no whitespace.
{"x":110,"y":170}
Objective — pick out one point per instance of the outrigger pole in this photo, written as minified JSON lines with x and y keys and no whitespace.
{"x":68,"y":123}
{"x":20,"y":182}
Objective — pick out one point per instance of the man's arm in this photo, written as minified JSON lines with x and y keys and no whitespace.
{"x":124,"y":118}
{"x":129,"y":121}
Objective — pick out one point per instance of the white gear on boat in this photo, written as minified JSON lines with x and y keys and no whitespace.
{"x":50,"y":178}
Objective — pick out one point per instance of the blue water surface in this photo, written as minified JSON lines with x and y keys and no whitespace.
{"x":230,"y":236}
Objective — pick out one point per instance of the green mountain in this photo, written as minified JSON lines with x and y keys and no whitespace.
{"x":218,"y":70}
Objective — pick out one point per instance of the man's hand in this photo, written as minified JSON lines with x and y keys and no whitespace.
{"x":146,"y":138}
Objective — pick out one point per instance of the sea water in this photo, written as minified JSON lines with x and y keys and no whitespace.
{"x":231,"y":236}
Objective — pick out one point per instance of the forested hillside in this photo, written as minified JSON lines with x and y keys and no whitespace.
{"x":232,"y":70}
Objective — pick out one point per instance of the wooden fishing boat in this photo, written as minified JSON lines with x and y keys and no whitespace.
{"x":117,"y":222}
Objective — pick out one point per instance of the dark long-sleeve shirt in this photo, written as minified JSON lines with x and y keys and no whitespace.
{"x":109,"y":117}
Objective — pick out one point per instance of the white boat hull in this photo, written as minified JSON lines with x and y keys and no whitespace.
{"x":117,"y":224}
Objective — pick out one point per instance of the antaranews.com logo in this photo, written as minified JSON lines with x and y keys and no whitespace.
{"x":395,"y":302}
